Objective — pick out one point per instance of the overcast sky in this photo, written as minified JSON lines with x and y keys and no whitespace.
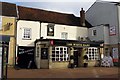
{"x":63,"y":6}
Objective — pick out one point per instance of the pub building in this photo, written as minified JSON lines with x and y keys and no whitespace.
{"x":56,"y":53}
{"x":34,"y":24}
{"x":59,"y":47}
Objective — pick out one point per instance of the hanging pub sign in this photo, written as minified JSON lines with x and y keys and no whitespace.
{"x":50,"y":29}
{"x":112,"y":30}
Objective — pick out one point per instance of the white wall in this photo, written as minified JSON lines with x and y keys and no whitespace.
{"x":35,"y":26}
{"x":104,"y":13}
{"x":106,"y":35}
{"x":73,"y":31}
{"x":102,"y":34}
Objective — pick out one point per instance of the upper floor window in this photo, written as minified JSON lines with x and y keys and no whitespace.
{"x":27,"y":33}
{"x":94,"y":32}
{"x":64,"y":35}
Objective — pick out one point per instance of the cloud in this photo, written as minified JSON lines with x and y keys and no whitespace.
{"x":49,"y":0}
{"x":63,"y":6}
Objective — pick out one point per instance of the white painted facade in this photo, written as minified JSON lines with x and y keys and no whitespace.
{"x":73,"y":31}
{"x":40,"y":30}
{"x":35,"y":32}
{"x":102,"y":34}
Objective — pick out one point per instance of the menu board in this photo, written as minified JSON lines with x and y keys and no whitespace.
{"x":0,"y":62}
{"x":25,"y":56}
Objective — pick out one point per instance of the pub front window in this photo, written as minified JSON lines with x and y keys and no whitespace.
{"x":60,"y":53}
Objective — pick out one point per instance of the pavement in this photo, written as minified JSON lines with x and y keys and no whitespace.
{"x":103,"y":73}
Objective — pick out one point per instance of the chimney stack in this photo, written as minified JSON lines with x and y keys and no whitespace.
{"x":82,"y":17}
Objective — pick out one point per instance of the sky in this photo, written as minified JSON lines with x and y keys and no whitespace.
{"x":62,"y":6}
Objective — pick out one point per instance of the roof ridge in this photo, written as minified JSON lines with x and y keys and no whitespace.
{"x":47,"y":10}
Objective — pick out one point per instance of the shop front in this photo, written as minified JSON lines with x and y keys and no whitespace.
{"x":4,"y":48}
{"x":55,"y":53}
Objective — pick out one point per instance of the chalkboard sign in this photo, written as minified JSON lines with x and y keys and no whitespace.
{"x":25,"y":56}
{"x":25,"y":50}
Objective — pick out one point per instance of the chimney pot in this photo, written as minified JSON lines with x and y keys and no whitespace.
{"x":82,"y":17}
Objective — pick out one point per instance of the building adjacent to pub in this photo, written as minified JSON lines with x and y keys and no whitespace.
{"x":105,"y":17}
{"x":8,"y":17}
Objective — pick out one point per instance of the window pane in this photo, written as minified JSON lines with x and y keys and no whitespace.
{"x":64,"y":35}
{"x":94,"y":32}
{"x":53,"y":59}
{"x":27,"y":33}
{"x":53,"y":55}
{"x":57,"y":59}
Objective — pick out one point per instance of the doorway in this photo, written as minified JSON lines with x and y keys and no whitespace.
{"x":76,"y":58}
{"x":77,"y":53}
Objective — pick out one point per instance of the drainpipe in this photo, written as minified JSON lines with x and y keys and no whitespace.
{"x":40,"y":31}
{"x":16,"y":35}
{"x":118,"y":33}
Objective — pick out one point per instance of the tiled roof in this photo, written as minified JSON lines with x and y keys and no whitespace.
{"x":25,"y":13}
{"x":32,"y":14}
{"x":8,"y":9}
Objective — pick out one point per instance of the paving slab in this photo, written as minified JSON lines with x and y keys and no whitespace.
{"x":76,"y":73}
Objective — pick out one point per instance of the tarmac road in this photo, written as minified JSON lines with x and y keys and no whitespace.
{"x":89,"y":72}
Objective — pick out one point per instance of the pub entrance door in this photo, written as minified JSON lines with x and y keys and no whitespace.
{"x":76,"y":58}
{"x":41,"y":57}
{"x":77,"y":53}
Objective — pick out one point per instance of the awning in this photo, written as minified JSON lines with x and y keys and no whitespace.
{"x":70,"y":43}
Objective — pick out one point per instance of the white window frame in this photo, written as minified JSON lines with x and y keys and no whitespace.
{"x":60,"y":53}
{"x":27,"y":32}
{"x":94,"y":32}
{"x":92,"y":53}
{"x":64,"y":35}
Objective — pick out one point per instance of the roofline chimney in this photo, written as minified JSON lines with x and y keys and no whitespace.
{"x":82,"y":17}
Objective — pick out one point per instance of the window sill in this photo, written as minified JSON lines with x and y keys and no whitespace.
{"x":59,"y":61}
{"x":26,"y":39}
